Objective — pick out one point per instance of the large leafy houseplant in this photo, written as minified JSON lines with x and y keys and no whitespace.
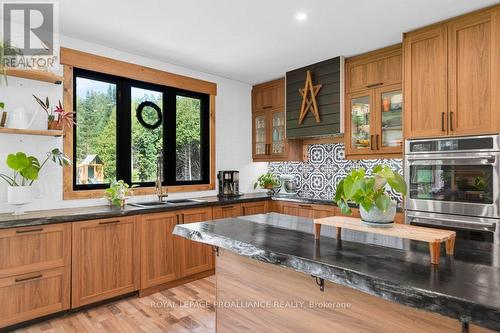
{"x":26,"y":169}
{"x":369,"y":191}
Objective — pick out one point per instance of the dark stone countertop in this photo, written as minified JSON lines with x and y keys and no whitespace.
{"x":51,"y":216}
{"x":465,"y":286}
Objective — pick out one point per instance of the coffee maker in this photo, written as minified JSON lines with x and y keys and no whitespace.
{"x":229,"y":183}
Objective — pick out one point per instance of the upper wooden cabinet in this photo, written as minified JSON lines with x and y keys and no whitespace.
{"x":374,"y":69}
{"x":451,"y":83}
{"x":374,"y":104}
{"x":269,"y":141}
{"x":269,"y":95}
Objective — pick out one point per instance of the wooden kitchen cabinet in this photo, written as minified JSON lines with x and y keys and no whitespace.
{"x":312,"y":211}
{"x":196,"y":257}
{"x":269,"y":141}
{"x":251,"y":208}
{"x":268,"y":95}
{"x":225,"y":211}
{"x":28,"y":296}
{"x":30,"y":249}
{"x":160,"y":249}
{"x":34,"y":272}
{"x":374,"y":105}
{"x":105,"y":259}
{"x":451,"y":77}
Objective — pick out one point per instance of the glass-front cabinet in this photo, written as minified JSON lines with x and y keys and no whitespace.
{"x":260,"y":128}
{"x":374,"y":122}
{"x":278,"y":133}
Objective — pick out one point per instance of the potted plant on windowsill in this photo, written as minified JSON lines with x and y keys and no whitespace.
{"x":267,"y":181}
{"x":369,"y":192}
{"x":25,"y":170}
{"x":117,"y":193}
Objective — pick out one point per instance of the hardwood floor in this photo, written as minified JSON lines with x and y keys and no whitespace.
{"x":187,"y":308}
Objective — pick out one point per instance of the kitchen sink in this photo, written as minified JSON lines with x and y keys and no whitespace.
{"x":166,"y":202}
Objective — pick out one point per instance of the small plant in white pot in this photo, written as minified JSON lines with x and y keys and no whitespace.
{"x":25,"y":170}
{"x":117,"y":193}
{"x":369,"y":192}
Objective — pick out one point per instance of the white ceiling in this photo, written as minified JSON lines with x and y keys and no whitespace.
{"x":251,"y":40}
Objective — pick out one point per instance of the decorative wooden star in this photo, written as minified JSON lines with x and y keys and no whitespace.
{"x":308,"y":94}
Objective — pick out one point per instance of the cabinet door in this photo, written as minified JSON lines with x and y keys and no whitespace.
{"x":320,"y":211}
{"x":160,"y":249}
{"x":359,"y":123}
{"x":278,"y":142}
{"x":376,"y":68}
{"x":196,"y":257}
{"x":251,"y":208}
{"x":472,"y":62}
{"x":222,"y":212}
{"x":28,"y":296}
{"x":28,"y":249}
{"x":105,"y":259}
{"x":269,"y":95}
{"x":260,"y":136}
{"x":425,"y":84}
{"x":389,"y":119}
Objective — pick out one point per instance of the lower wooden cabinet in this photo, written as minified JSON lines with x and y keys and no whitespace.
{"x":105,"y":259}
{"x":196,"y":257}
{"x":251,"y":208}
{"x":29,"y":249}
{"x":160,"y":249}
{"x":306,"y":210}
{"x":225,"y":211}
{"x":28,"y":296}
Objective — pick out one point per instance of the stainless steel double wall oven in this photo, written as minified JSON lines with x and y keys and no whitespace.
{"x":454,"y":182}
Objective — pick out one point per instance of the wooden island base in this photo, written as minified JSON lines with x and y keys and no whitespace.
{"x":253,"y":296}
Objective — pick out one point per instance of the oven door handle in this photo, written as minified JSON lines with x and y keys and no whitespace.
{"x":417,"y":158}
{"x":481,"y":160}
{"x":471,"y":225}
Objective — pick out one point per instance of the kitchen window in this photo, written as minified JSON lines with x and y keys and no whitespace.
{"x":123,"y":125}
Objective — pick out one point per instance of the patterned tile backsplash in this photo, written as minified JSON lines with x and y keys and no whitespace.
{"x":325,"y":167}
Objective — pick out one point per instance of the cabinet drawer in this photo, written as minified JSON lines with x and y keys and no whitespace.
{"x":222,"y":212}
{"x":27,"y":296}
{"x":251,"y":208}
{"x":28,"y":249}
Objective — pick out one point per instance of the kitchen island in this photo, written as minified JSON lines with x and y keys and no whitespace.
{"x":273,"y":276}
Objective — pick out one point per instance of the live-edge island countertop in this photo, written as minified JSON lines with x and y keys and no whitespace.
{"x":465,"y":287}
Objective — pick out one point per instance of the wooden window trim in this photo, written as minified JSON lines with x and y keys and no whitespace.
{"x":72,"y":58}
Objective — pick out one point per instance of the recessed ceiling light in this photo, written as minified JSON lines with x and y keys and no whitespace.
{"x":301,"y":17}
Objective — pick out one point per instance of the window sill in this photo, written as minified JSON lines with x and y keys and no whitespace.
{"x":96,"y":194}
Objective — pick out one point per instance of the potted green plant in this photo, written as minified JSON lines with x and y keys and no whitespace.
{"x":25,"y":170}
{"x":57,"y":118}
{"x":267,"y":181}
{"x":369,"y":191}
{"x":117,"y":193}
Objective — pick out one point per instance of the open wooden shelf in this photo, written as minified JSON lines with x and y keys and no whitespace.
{"x":4,"y":130}
{"x":37,"y":75}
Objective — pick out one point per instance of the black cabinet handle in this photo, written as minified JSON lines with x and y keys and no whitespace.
{"x":109,"y":222}
{"x":28,"y":278}
{"x":267,"y":107}
{"x":305,"y":206}
{"x":27,"y":231}
{"x":374,"y":85}
{"x":442,"y":122}
{"x":227,"y":207}
{"x":451,"y":121}
{"x":376,"y":142}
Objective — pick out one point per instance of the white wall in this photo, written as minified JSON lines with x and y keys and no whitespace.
{"x":233,"y":129}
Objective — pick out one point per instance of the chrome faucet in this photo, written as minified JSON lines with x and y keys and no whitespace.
{"x":159,"y":178}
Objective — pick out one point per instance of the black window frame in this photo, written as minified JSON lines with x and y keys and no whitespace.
{"x":124,"y":129}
